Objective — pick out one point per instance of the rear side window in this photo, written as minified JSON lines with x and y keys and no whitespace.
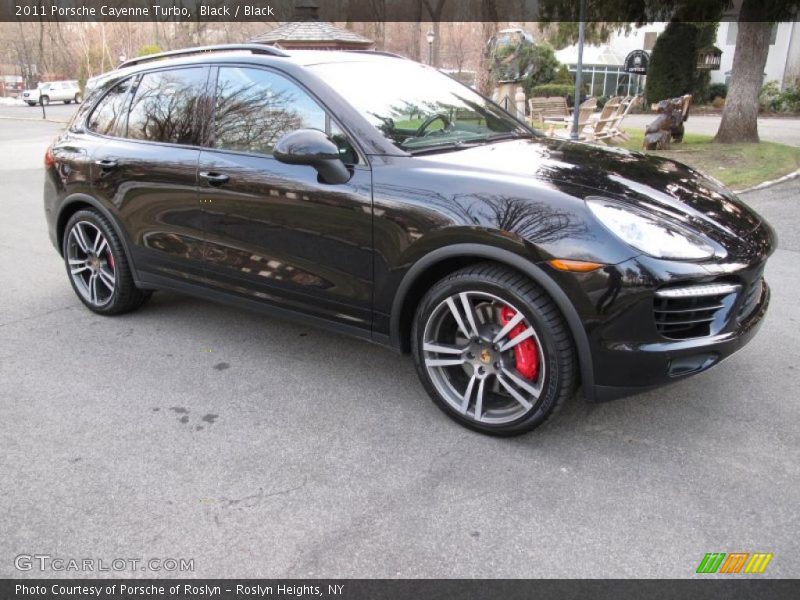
{"x":165,"y":105}
{"x":255,"y":107}
{"x":107,"y":117}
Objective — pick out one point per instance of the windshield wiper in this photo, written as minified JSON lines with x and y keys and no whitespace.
{"x":457,"y":145}
{"x":510,"y":135}
{"x":470,"y":142}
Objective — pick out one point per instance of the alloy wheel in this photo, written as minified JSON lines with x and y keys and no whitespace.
{"x":474,"y":347}
{"x":91,"y":263}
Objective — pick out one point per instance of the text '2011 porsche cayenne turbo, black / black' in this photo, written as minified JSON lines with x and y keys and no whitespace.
{"x":375,"y":196}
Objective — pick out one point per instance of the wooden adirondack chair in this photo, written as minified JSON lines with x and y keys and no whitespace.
{"x":585,"y":112}
{"x":600,"y":129}
{"x":618,"y":134}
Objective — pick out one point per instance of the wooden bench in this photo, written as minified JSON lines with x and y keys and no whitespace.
{"x":549,"y":108}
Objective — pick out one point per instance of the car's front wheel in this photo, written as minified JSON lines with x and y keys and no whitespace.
{"x":492,"y":350}
{"x":97,"y":266}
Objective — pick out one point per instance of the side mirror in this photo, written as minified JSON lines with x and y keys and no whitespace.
{"x":313,"y":148}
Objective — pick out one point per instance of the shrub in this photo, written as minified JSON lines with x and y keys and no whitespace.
{"x":601,"y":101}
{"x":563,"y":76}
{"x":718,"y":102}
{"x":554,"y":89}
{"x":772,"y":99}
{"x":790,"y":98}
{"x":540,"y":65}
{"x":769,"y":97}
{"x":705,"y":35}
{"x":671,"y":72}
{"x":149,"y":49}
{"x":717,"y":90}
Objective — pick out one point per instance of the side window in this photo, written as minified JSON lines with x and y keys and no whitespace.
{"x":165,"y":104}
{"x":254,"y":108}
{"x":106,"y":119}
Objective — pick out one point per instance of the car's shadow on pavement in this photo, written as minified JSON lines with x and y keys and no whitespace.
{"x":377,"y":377}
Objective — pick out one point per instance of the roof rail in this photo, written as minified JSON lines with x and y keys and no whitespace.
{"x":378,"y":52}
{"x":253,"y":48}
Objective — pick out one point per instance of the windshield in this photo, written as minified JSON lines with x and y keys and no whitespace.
{"x":417,"y":108}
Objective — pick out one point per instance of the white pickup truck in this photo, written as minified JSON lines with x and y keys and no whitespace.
{"x":53,"y":91}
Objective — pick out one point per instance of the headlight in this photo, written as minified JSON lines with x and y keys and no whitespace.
{"x":649,"y":233}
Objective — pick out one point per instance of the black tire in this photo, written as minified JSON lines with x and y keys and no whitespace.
{"x":31,"y":103}
{"x":559,"y":364}
{"x":67,"y":101}
{"x":125,"y":296}
{"x":44,"y":100}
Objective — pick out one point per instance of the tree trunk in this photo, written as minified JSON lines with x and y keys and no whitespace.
{"x":416,"y":35}
{"x":484,"y":81}
{"x":740,"y":115}
{"x":435,"y":13}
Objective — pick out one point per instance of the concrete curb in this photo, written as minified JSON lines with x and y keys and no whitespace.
{"x":31,"y":119}
{"x":767,"y":184}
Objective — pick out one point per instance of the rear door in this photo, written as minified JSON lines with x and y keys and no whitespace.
{"x":278,"y":233}
{"x":147,"y":170}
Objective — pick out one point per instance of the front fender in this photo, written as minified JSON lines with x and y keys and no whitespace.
{"x":514,"y":261}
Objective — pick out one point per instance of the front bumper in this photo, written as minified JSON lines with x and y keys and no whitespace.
{"x":622,"y":312}
{"x":654,"y":364}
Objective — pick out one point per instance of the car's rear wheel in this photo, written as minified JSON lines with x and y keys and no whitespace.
{"x":492,"y":350}
{"x":45,"y":100}
{"x":97,"y":266}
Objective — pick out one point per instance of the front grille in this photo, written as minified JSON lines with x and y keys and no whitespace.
{"x":690,"y":312}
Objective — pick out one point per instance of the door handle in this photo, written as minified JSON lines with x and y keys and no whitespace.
{"x":214,"y":178}
{"x":106,"y":164}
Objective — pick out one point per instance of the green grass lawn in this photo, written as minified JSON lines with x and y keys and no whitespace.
{"x":738,"y":166}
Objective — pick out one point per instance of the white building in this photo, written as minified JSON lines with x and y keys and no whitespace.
{"x":783,"y":60}
{"x":602,"y":65}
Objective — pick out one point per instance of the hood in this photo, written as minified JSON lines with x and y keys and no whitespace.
{"x":650,"y":182}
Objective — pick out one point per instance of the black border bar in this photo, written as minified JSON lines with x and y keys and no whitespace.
{"x":631,"y":11}
{"x":398,"y":589}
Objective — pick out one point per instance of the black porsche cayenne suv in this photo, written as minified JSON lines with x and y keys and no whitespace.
{"x":375,"y":196}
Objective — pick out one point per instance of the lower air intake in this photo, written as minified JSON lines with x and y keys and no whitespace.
{"x":690,"y":312}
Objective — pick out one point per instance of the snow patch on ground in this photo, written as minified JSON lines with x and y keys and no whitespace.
{"x":11,"y":102}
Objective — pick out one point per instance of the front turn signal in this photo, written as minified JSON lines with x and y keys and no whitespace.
{"x":575,"y":266}
{"x":49,"y":160}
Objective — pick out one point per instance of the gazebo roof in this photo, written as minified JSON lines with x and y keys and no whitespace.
{"x":593,"y":55}
{"x":313,"y":34}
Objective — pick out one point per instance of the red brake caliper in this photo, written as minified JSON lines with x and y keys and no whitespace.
{"x":525,"y":353}
{"x":110,"y":259}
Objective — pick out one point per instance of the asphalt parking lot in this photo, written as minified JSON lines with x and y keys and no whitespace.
{"x":262,"y":448}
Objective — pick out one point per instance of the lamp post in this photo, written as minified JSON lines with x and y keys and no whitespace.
{"x":431,"y":36}
{"x":575,"y":134}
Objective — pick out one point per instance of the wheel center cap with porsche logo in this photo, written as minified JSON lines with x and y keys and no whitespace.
{"x":486,"y":356}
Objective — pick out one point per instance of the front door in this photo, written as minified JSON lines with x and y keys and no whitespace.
{"x":276,"y":232}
